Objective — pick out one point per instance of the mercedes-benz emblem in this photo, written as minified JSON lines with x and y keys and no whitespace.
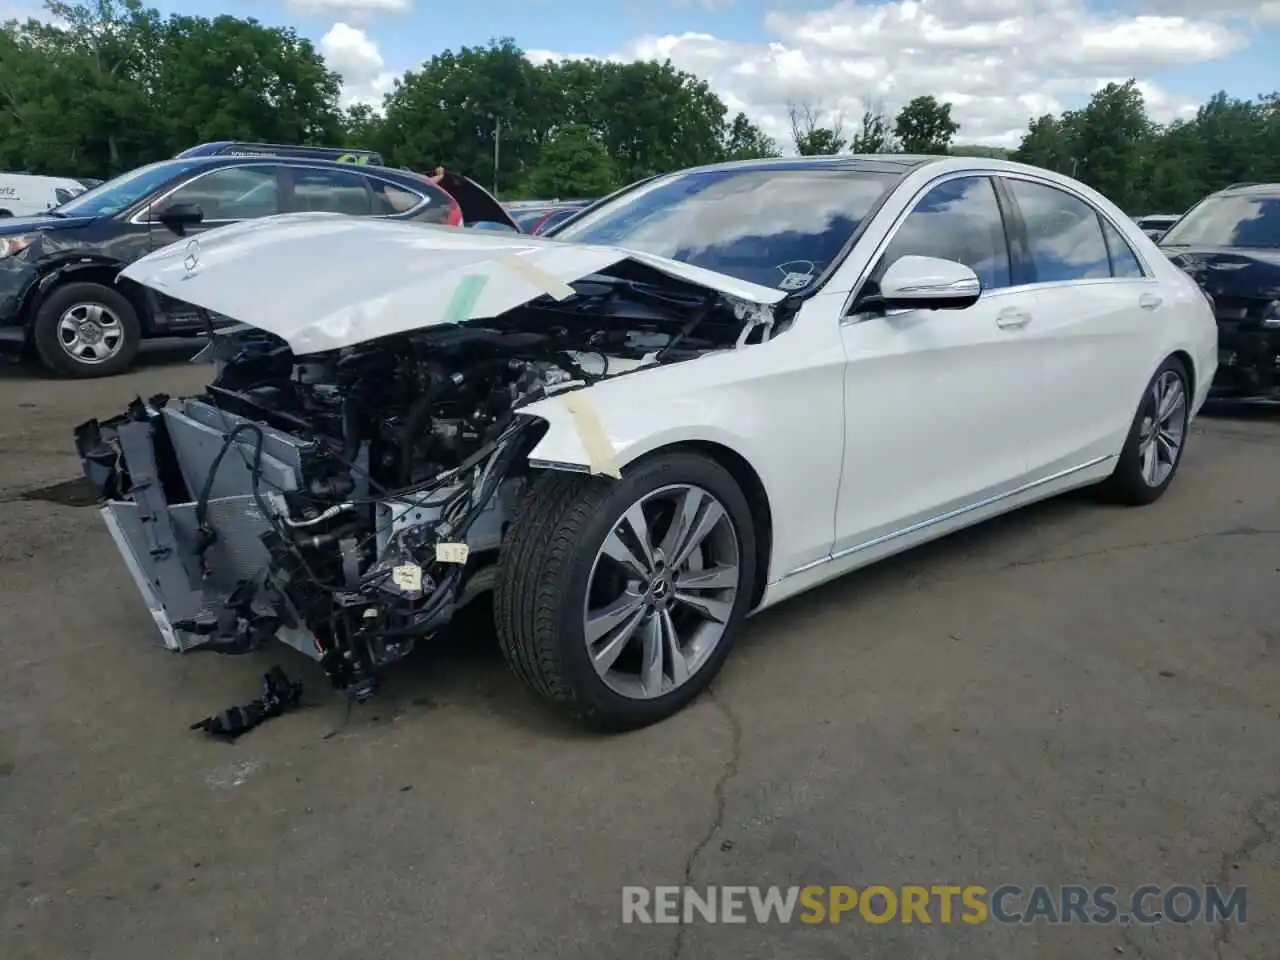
{"x":193,"y":255}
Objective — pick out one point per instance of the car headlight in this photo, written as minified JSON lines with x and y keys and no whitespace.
{"x":16,"y":244}
{"x":1271,"y":315}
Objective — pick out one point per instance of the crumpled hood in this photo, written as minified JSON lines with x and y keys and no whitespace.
{"x":1230,"y":272}
{"x":323,"y":281}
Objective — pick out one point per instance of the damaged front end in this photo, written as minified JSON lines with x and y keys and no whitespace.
{"x":350,"y":501}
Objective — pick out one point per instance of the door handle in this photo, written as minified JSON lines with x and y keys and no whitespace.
{"x":1012,"y":318}
{"x":1149,"y":301}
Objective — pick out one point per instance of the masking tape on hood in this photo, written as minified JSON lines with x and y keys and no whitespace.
{"x":547,"y":282}
{"x":464,"y":298}
{"x":601,"y":457}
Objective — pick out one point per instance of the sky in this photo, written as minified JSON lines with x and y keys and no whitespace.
{"x":999,"y":62}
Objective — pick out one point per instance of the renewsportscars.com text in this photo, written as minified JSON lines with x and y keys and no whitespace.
{"x":972,"y":904}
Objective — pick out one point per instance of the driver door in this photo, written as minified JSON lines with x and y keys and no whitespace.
{"x":935,"y":400}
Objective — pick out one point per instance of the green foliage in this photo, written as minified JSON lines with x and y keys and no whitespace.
{"x":1112,"y":145}
{"x":116,"y":85}
{"x":573,"y":163}
{"x":810,"y":137}
{"x":925,"y":126}
{"x":113,"y":84}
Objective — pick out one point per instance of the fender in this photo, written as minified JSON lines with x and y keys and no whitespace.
{"x":56,"y":270}
{"x":734,"y":400}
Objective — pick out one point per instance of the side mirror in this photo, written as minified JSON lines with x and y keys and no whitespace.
{"x":178,"y":215}
{"x":492,"y":225}
{"x":928,"y":283}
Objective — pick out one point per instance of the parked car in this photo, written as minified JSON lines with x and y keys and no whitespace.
{"x":708,"y":394}
{"x":1230,"y":243}
{"x":1154,"y":225}
{"x":58,"y":290}
{"x":244,"y":148}
{"x":25,"y":195}
{"x":537,"y":218}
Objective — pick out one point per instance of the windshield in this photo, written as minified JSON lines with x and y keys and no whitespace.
{"x":124,"y":191}
{"x":1229,"y":221}
{"x":779,"y":228}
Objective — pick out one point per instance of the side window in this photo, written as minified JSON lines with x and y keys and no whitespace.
{"x":233,"y":193}
{"x":1124,"y":262}
{"x":390,"y":199}
{"x":957,"y":220}
{"x":316,"y":190}
{"x":1064,"y":232}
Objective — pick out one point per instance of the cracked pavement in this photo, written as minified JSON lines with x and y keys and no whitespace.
{"x":1074,"y":694}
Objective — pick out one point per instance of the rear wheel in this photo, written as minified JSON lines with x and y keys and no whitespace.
{"x":87,"y":330}
{"x":1153,"y":450}
{"x":619,"y":601}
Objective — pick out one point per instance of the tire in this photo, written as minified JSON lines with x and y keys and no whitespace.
{"x":87,"y":301}
{"x":1133,"y":483}
{"x":551,"y":568}
{"x":6,"y":213}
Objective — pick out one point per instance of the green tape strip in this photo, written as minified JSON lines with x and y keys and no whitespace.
{"x":464,"y":298}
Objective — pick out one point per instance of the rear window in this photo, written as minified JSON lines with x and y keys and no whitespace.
{"x":779,"y":228}
{"x":1229,"y":221}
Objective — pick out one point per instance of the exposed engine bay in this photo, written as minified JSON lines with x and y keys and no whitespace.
{"x":350,"y":502}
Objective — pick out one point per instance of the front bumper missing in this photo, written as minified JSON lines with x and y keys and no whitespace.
{"x":194,"y":595}
{"x":1248,"y":366}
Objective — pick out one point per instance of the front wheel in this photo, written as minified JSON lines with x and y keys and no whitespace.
{"x":87,"y":330}
{"x":619,"y":600}
{"x":1153,"y":450}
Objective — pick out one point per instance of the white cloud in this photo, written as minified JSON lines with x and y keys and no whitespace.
{"x":999,"y":62}
{"x":349,"y":51}
{"x":350,"y":6}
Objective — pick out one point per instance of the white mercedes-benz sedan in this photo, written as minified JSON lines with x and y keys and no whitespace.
{"x":696,"y":398}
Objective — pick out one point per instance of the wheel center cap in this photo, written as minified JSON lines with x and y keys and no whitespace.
{"x":659,"y":589}
{"x":90,"y":332}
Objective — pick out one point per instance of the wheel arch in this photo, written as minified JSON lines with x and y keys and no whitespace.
{"x":99,"y":271}
{"x":562,"y":447}
{"x":752,"y":487}
{"x":1188,"y":364}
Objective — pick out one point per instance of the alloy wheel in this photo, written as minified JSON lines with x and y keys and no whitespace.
{"x":662,"y":589}
{"x":1163,"y":428}
{"x":90,"y":333}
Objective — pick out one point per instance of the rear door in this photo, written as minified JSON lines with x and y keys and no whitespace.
{"x":358,"y":194}
{"x":1098,"y":306}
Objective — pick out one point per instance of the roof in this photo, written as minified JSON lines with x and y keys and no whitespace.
{"x":1252,"y":189}
{"x":230,"y":160}
{"x":899,"y":163}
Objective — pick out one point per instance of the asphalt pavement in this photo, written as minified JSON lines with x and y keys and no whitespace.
{"x":1075,"y":694}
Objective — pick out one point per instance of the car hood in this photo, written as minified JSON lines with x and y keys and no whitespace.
{"x":9,"y":226}
{"x":1231,"y":271}
{"x":323,"y":281}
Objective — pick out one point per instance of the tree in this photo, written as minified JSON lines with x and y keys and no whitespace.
{"x":362,"y":127}
{"x":745,"y":141}
{"x":573,"y":163}
{"x":478,"y":110}
{"x":925,"y":126}
{"x":1110,"y":139}
{"x":1048,"y":143}
{"x":874,"y":133}
{"x":103,"y":86}
{"x":809,"y":136}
